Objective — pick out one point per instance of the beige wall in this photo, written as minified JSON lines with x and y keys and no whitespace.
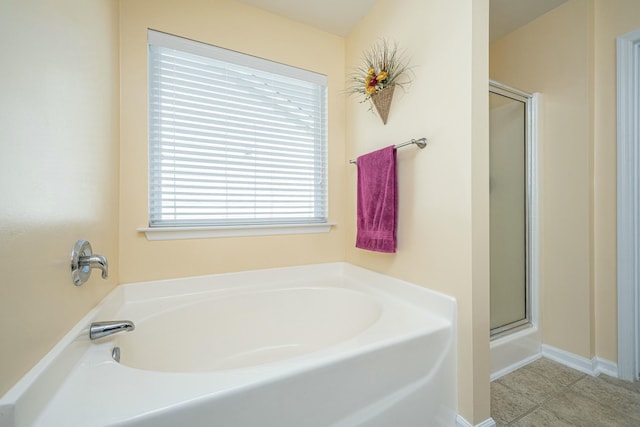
{"x":59,"y":168}
{"x":552,"y":55}
{"x":242,"y":28}
{"x":60,"y":160}
{"x":443,"y":189}
{"x":569,"y":56}
{"x":613,"y":18}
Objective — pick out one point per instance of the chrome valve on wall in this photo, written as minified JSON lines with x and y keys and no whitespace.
{"x":83,"y":260}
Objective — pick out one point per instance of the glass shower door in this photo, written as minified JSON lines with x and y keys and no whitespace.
{"x":508,"y":210}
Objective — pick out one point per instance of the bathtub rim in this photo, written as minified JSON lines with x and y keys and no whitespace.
{"x":28,"y":398}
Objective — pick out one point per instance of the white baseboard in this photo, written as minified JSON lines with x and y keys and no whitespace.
{"x":515,"y":366}
{"x":607,"y":367}
{"x":571,"y":360}
{"x":593,"y":367}
{"x":461,"y":422}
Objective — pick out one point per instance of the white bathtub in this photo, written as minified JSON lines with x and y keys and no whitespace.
{"x":321,"y":345}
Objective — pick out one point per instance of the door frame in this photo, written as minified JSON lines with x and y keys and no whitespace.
{"x":628,"y":204}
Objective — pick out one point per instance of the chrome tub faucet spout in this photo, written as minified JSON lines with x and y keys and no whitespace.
{"x":99,"y":330}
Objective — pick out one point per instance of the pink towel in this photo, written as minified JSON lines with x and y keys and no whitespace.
{"x":377,"y":201}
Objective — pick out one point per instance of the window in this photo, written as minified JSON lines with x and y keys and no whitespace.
{"x":234,"y":140}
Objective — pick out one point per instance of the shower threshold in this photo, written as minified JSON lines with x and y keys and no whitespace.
{"x":510,"y":328}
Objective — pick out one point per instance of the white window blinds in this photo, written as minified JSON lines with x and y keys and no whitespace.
{"x":233,"y":139}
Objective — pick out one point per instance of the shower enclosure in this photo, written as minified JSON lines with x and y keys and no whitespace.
{"x":510,"y":210}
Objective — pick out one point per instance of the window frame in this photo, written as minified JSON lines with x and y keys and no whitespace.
{"x":233,"y":228}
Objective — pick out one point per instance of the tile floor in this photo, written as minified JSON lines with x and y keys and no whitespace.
{"x":546,"y":393}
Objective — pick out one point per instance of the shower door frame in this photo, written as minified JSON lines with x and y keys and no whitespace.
{"x":531,"y":208}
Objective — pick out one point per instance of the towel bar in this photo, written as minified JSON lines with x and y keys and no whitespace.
{"x":421,"y":143}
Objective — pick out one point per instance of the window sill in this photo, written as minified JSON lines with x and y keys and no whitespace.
{"x":179,"y":233}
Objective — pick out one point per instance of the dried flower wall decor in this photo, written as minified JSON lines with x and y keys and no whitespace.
{"x":383,"y":68}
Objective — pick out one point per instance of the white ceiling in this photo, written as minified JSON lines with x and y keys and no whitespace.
{"x":340,"y":16}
